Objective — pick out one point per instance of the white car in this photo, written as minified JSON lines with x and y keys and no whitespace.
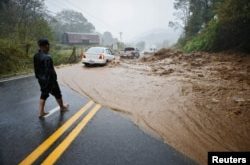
{"x":97,"y":55}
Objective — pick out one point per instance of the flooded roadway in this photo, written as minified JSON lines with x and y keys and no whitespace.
{"x":63,"y":139}
{"x":183,"y":108}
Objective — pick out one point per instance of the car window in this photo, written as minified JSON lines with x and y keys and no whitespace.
{"x":111,"y":52}
{"x":95,"y":50}
{"x":129,"y":49}
{"x":108,"y":51}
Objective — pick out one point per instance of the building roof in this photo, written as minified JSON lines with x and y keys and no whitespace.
{"x":76,"y":38}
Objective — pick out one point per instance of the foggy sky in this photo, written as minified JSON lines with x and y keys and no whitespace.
{"x":132,"y":17}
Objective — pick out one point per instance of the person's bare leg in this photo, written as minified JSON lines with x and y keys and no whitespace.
{"x":41,"y":108}
{"x":63,"y":107}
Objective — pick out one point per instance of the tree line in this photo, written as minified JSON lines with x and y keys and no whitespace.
{"x":213,"y":25}
{"x":23,"y":22}
{"x":27,"y":20}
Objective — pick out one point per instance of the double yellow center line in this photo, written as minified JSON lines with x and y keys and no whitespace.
{"x":58,"y":151}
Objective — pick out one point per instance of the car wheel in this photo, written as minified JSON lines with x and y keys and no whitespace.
{"x":87,"y":65}
{"x":104,"y":64}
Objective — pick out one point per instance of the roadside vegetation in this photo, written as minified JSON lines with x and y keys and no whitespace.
{"x":23,"y":22}
{"x":213,"y":25}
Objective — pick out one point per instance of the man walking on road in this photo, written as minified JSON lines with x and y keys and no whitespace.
{"x":47,"y":78}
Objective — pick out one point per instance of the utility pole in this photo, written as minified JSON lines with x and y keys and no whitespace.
{"x":120,"y":36}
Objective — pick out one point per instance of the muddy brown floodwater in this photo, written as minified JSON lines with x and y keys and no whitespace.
{"x":195,"y":102}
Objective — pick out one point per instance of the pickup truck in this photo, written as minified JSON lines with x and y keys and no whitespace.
{"x":130,"y":52}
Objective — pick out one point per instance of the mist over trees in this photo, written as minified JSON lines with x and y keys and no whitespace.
{"x":141,"y":45}
{"x":107,"y":39}
{"x":28,"y":20}
{"x":213,"y":25}
{"x":70,"y":21}
{"x":23,"y":20}
{"x":22,"y":23}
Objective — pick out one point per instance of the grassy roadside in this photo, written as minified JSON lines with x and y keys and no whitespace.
{"x":15,"y":61}
{"x":21,"y":73}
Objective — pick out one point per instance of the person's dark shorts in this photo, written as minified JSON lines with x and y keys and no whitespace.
{"x":52,"y":88}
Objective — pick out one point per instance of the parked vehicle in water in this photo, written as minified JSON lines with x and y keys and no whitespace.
{"x":130,"y":52}
{"x":97,"y":55}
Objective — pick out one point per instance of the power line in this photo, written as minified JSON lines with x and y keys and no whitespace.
{"x":59,"y":6}
{"x":51,"y":12}
{"x":98,"y":19}
{"x":86,"y":13}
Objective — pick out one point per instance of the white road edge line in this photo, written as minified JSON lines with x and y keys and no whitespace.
{"x":15,"y":78}
{"x":52,"y":111}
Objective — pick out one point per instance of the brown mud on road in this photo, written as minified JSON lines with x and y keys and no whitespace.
{"x":196,"y":102}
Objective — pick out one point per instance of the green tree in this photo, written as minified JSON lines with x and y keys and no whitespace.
{"x":107,"y":39}
{"x":234,"y":18}
{"x":195,"y":14}
{"x":23,"y":20}
{"x":214,"y":24}
{"x":70,"y":21}
{"x":22,"y":23}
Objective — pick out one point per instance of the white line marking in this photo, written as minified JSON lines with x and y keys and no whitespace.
{"x":15,"y":78}
{"x":52,"y":111}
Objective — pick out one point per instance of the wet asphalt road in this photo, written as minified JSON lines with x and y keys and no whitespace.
{"x":108,"y":139}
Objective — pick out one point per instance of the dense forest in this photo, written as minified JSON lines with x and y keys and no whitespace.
{"x":213,"y":25}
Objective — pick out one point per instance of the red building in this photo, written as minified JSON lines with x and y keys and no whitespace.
{"x":72,"y":38}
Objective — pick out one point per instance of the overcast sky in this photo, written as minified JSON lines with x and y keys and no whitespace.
{"x":132,"y":17}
